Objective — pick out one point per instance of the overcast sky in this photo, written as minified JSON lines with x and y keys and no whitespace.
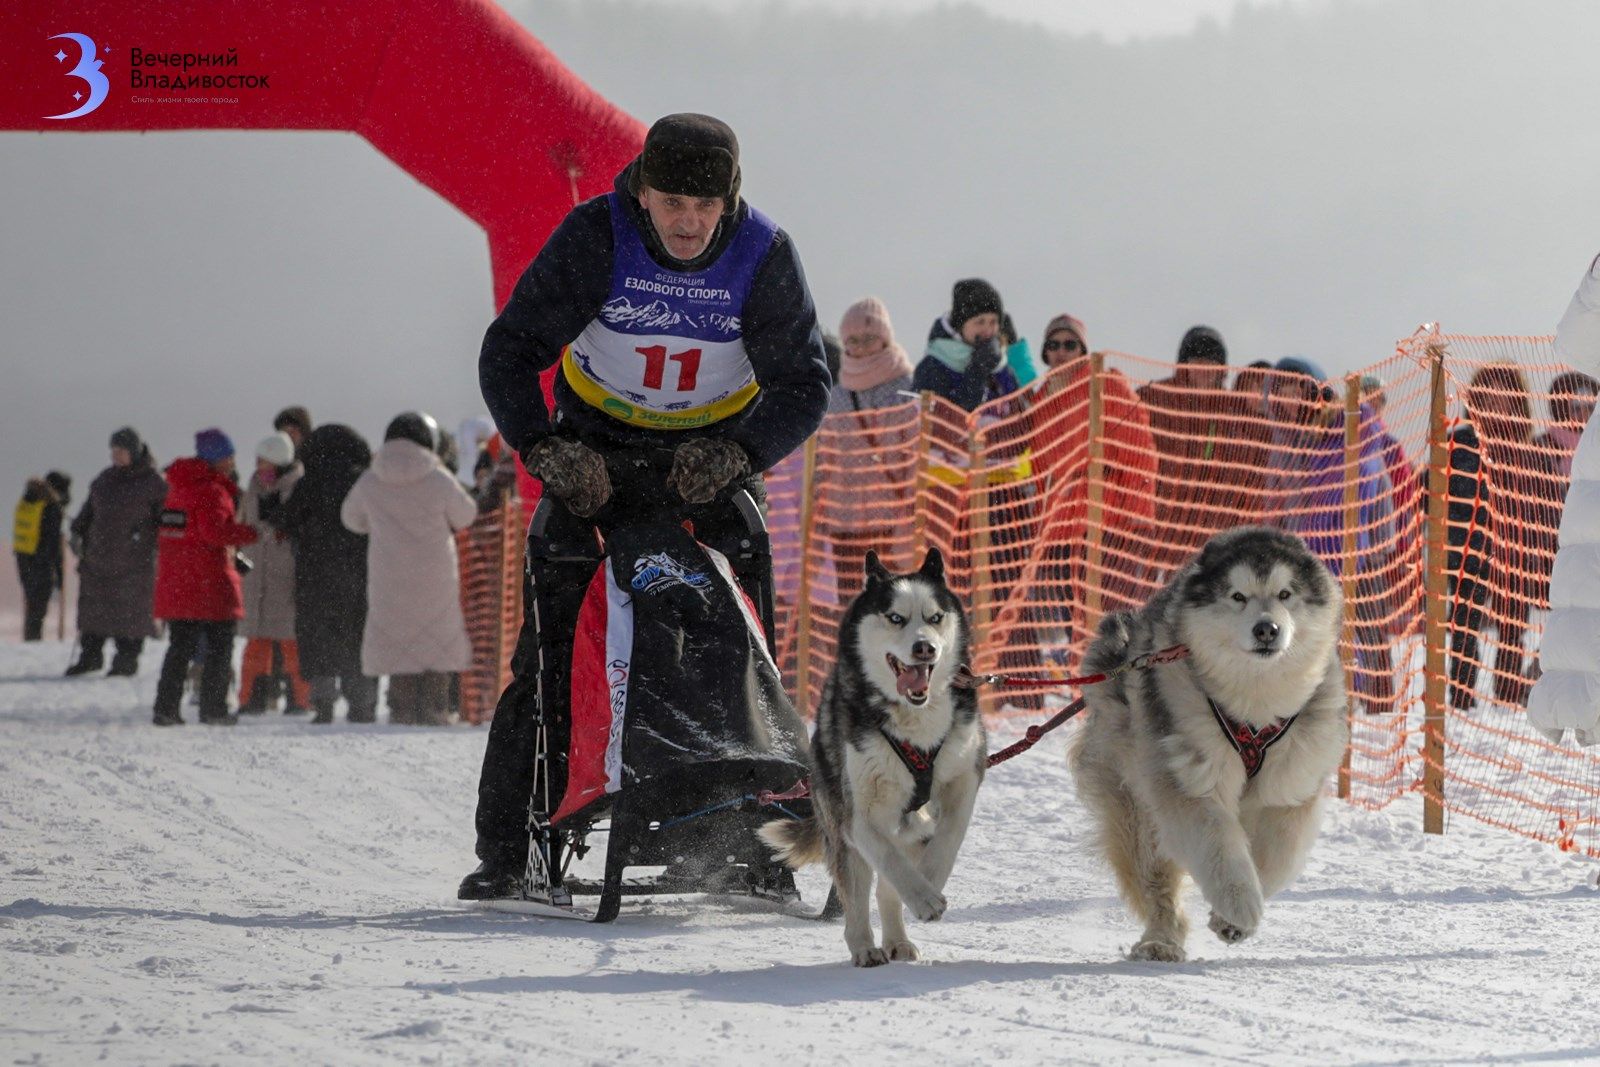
{"x":1312,"y":177}
{"x":1116,"y":20}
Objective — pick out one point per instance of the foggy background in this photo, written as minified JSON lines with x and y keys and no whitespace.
{"x":1312,"y":178}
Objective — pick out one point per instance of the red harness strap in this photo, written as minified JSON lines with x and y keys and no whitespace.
{"x":1251,"y":744}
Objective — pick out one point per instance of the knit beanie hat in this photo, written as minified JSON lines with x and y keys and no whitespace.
{"x":972,"y":297}
{"x":61,"y":483}
{"x":277,"y":449}
{"x":690,"y":155}
{"x":128,"y":438}
{"x":1067,"y":322}
{"x":1202,"y":344}
{"x":212,"y":445}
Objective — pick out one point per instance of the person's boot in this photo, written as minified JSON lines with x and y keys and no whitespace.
{"x":89,"y":659}
{"x":261,"y":694}
{"x":493,"y":880}
{"x":167,"y":718}
{"x":223,"y":718}
{"x":124,"y":665}
{"x":324,"y":713}
{"x":363,"y":715}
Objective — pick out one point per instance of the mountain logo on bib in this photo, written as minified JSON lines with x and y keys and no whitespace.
{"x":658,"y":315}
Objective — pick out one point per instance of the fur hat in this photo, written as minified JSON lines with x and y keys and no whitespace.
{"x":690,"y":155}
{"x":1202,"y":344}
{"x":277,"y":449}
{"x":972,"y":297}
{"x":295,"y":416}
{"x":213,"y":445}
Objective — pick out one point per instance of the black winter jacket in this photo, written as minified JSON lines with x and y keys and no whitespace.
{"x":565,"y":287}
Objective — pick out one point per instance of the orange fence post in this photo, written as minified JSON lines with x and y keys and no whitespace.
{"x":1349,"y":565}
{"x":802,"y":672}
{"x":1095,"y":515}
{"x":919,"y":486}
{"x":1436,"y":599}
{"x":978,"y":528}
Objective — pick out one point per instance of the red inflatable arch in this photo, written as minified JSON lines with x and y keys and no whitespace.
{"x":454,"y":91}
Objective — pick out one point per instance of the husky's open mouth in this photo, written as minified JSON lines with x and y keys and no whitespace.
{"x":1266,"y":651}
{"x":911,"y":682}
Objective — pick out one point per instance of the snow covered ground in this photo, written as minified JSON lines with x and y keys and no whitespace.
{"x":283,"y":893}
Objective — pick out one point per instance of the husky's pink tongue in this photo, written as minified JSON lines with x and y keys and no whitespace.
{"x":914,"y":679}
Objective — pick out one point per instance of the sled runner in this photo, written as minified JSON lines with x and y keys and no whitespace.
{"x":677,"y":718}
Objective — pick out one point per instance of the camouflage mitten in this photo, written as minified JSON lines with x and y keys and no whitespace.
{"x":703,"y":465}
{"x":574,"y":473}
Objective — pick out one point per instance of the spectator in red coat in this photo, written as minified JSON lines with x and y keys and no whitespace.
{"x":197,"y":583}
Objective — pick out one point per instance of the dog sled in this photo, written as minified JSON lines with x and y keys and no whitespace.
{"x":678,"y":727}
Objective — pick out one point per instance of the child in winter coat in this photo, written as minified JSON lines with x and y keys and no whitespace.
{"x":410,"y":506}
{"x":271,"y":656}
{"x":36,"y":540}
{"x":197,"y":584}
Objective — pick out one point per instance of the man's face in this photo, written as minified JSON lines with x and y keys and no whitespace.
{"x":685,"y":224}
{"x":292,"y":432}
{"x":223,"y":466}
{"x":980,"y":327}
{"x":121,"y":457}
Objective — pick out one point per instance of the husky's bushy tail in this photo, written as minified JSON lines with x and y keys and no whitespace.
{"x":796,"y":842}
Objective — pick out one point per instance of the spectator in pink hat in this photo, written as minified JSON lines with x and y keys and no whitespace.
{"x":865,"y":447}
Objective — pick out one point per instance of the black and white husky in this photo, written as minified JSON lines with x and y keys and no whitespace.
{"x":1216,"y":765}
{"x":896,"y":759}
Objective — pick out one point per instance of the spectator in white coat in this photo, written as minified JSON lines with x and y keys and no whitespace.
{"x":410,"y":506}
{"x":1567,"y":696}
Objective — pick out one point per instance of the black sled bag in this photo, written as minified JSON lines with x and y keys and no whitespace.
{"x":673,"y":689}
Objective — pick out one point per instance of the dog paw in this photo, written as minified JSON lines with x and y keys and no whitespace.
{"x":1238,"y":909}
{"x":928,"y":908}
{"x":1158,"y":950}
{"x":871,"y":956}
{"x":1226,"y":931}
{"x":903,"y":951}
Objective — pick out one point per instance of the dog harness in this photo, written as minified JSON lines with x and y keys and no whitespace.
{"x":919,"y":763}
{"x":1251,"y":744}
{"x":667,"y":351}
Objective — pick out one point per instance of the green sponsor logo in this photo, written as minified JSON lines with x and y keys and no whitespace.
{"x":620,"y":408}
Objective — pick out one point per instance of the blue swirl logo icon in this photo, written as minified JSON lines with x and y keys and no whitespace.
{"x":88,"y":69}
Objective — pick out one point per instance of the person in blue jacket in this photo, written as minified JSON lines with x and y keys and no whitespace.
{"x":690,"y":362}
{"x":966,"y":357}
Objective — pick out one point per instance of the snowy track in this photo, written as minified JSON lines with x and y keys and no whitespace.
{"x":282,"y":893}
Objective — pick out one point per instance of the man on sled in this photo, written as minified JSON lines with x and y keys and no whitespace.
{"x":690,"y":362}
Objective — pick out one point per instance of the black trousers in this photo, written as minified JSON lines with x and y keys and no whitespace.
{"x":551,"y":599}
{"x":215,"y":669}
{"x":38,"y":581}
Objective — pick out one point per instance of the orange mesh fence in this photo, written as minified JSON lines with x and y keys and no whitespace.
{"x":1085,"y":492}
{"x":1431,"y":484}
{"x":490,"y":554}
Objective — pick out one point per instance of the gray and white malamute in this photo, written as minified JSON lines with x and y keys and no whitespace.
{"x":1215,"y":765}
{"x":896,"y":759}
